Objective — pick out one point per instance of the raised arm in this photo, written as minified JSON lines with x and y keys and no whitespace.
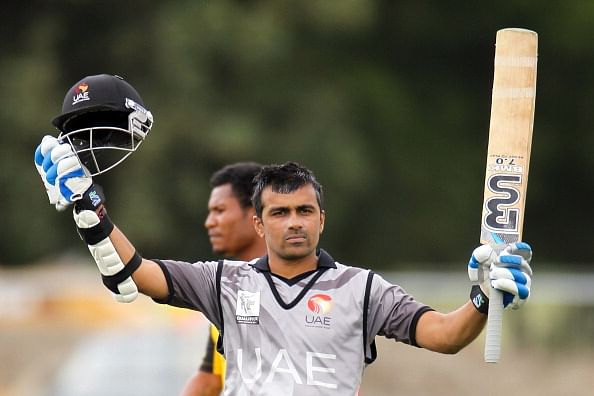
{"x":149,"y":277}
{"x":449,"y":333}
{"x":123,"y":270}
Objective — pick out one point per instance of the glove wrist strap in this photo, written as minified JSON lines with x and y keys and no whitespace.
{"x":93,"y":199}
{"x":479,"y":299}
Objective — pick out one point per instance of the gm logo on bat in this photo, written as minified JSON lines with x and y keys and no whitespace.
{"x":500,"y":213}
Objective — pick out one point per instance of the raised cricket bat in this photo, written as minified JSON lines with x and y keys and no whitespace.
{"x":508,"y":157}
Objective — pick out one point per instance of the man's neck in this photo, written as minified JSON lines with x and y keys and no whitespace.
{"x":289,"y":269}
{"x":251,"y":253}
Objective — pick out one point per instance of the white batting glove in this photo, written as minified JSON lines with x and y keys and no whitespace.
{"x":41,"y":153}
{"x":64,"y":177}
{"x":508,"y":271}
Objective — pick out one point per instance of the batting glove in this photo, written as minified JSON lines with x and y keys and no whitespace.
{"x":63,"y":176}
{"x":508,"y":271}
{"x":47,"y":144}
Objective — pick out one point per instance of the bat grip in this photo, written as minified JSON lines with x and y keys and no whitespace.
{"x":494,"y":327}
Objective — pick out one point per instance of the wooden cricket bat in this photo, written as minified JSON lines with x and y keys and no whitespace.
{"x":508,"y":157}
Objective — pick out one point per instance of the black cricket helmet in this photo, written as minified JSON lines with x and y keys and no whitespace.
{"x":104,"y":120}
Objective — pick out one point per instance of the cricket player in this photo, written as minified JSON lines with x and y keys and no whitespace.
{"x":294,"y":322}
{"x":232,"y":235}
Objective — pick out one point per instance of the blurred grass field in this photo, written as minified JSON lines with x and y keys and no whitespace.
{"x":61,"y":334}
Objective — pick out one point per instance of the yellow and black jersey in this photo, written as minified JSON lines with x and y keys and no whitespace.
{"x":213,"y":362}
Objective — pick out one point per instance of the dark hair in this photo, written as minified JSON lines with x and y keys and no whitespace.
{"x":284,"y":179}
{"x":241,"y":177}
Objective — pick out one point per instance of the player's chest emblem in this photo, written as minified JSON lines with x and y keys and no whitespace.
{"x":247,"y":309}
{"x":319,"y":307}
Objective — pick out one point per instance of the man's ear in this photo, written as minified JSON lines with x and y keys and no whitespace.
{"x":258,"y":226}
{"x":322,"y":220}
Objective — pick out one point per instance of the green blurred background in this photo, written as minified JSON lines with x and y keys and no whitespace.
{"x":387,"y":101}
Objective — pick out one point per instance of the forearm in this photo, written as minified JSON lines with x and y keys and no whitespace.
{"x":449,"y":333}
{"x":148,"y":277}
{"x":123,"y":270}
{"x":203,"y":384}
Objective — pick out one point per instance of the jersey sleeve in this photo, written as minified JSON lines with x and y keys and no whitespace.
{"x":393,"y":312}
{"x":192,"y":286}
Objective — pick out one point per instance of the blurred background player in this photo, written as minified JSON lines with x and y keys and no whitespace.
{"x":232,"y":235}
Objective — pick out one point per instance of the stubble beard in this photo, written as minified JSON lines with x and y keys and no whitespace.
{"x":293,"y":254}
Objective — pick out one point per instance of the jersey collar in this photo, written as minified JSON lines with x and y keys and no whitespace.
{"x":324,"y":261}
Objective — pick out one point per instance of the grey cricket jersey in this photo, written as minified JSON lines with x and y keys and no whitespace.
{"x":311,"y":335}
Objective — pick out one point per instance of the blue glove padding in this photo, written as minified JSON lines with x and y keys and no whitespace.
{"x":64,"y":177}
{"x":508,"y":271}
{"x":46,"y":145}
{"x":511,"y":273}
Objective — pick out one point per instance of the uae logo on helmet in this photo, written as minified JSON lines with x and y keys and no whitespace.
{"x":81,"y":93}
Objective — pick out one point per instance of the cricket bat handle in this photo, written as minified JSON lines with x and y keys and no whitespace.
{"x":494,"y":326}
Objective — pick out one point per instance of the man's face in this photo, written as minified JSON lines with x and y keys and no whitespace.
{"x":230,"y":227}
{"x":291,"y":223}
